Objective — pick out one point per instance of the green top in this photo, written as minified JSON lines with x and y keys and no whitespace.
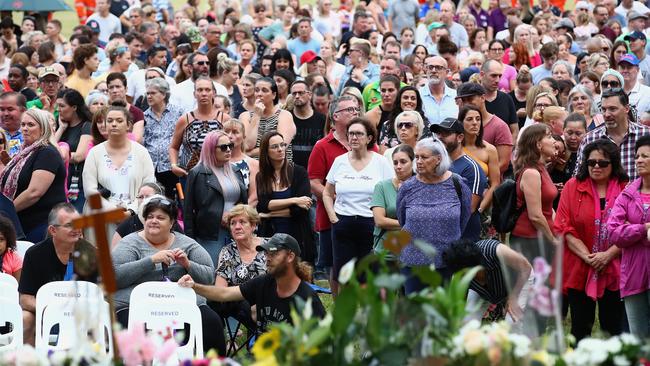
{"x":385,"y":195}
{"x":36,"y":103}
{"x":372,"y":95}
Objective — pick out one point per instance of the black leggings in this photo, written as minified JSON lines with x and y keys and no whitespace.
{"x":583,"y":313}
{"x":213,"y":337}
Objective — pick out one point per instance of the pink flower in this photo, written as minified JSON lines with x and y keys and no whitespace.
{"x":166,"y":350}
{"x":148,"y":349}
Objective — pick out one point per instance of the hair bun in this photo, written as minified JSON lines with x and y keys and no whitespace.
{"x":118,"y":103}
{"x":222,"y":56}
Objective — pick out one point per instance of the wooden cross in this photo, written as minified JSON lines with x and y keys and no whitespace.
{"x":98,"y":219}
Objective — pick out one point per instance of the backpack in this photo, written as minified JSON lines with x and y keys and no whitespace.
{"x":505,"y":212}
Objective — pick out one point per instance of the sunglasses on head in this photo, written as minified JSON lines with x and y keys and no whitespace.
{"x":161,"y":201}
{"x":600,"y":163}
{"x":226,"y":147}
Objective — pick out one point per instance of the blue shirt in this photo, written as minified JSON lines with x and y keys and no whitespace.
{"x":370,"y":75}
{"x":297,"y":47}
{"x":158,"y":133}
{"x":437,"y":111}
{"x":540,"y":72}
{"x":15,"y":142}
{"x":474,"y":177}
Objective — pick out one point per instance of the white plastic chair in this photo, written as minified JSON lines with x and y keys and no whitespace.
{"x":162,"y":291}
{"x":8,"y":279}
{"x":77,"y":306}
{"x":22,"y":246}
{"x":9,"y":292}
{"x":11,"y":312}
{"x":163,"y":306}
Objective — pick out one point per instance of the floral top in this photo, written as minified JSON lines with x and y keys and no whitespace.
{"x":158,"y":133}
{"x":120,"y":180}
{"x":231,"y":267}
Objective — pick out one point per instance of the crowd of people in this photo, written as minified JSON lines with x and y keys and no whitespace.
{"x":256,"y":144}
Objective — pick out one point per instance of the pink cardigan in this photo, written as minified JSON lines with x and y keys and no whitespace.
{"x":627,"y":231}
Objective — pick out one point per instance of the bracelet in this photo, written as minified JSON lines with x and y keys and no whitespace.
{"x":174,"y":165}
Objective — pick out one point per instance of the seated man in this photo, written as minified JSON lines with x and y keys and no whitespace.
{"x":490,"y":285}
{"x":48,"y":261}
{"x":274,"y":292}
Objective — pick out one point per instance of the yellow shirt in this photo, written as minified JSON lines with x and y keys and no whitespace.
{"x":83,"y":86}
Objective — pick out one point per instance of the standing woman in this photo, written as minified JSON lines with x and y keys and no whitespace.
{"x":213,"y":188}
{"x":118,"y":167}
{"x":522,"y":35}
{"x":267,"y":116}
{"x":535,"y":190}
{"x":384,"y":198}
{"x":628,"y":227}
{"x":335,"y":70}
{"x":406,"y":37}
{"x":283,"y":79}
{"x":191,"y":129}
{"x":260,"y":21}
{"x":408,"y":99}
{"x":247,"y":85}
{"x":350,"y":184}
{"x":228,"y":75}
{"x":581,"y":100}
{"x":484,"y":153}
{"x":160,"y":120}
{"x":284,"y":195}
{"x":247,"y":166}
{"x":75,"y":130}
{"x":591,"y":264}
{"x":409,"y":128}
{"x":34,"y":179}
{"x":434,"y":195}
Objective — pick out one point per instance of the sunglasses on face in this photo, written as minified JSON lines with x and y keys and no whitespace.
{"x":202,"y":63}
{"x":600,"y":163}
{"x":406,"y":125}
{"x":610,"y":84}
{"x":226,"y":147}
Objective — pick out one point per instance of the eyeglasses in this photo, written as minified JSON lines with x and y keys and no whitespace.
{"x":226,"y":147}
{"x":497,"y":50}
{"x":610,"y":84}
{"x":202,"y":63}
{"x":601,"y":163}
{"x":356,"y":134}
{"x":50,"y":82}
{"x":260,"y":10}
{"x":434,"y":67}
{"x":66,"y":226}
{"x":542,"y":105}
{"x":350,"y":110}
{"x":282,"y":145}
{"x":299,"y":93}
{"x":406,"y":125}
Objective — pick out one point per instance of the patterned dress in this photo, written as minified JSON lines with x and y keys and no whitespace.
{"x":270,"y":124}
{"x":194,"y":135}
{"x":234,"y":270}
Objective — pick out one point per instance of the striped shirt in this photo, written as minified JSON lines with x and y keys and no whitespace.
{"x":474,"y":177}
{"x":634,"y":132}
{"x":495,"y":289}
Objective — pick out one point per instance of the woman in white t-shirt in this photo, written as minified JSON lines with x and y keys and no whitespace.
{"x":348,"y":192}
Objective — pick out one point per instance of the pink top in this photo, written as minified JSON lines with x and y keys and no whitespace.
{"x":497,"y":132}
{"x":535,"y":60}
{"x":11,"y":262}
{"x":509,"y":73}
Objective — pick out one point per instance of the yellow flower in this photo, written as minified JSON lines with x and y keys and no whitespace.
{"x":267,"y":344}
{"x":310,"y":352}
{"x":268,"y":361}
{"x":542,"y":357}
{"x":473,"y":342}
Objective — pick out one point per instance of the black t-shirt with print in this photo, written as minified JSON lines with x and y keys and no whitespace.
{"x":261,"y":291}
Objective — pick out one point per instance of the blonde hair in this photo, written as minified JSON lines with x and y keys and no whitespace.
{"x":43,"y":119}
{"x":549,"y":114}
{"x":244,"y":210}
{"x":224,"y":64}
{"x":234,"y":122}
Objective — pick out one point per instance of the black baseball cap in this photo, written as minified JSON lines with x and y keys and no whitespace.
{"x":280,"y":241}
{"x":470,"y":89}
{"x":447,"y":125}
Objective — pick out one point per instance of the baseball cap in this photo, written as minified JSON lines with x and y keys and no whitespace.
{"x":447,"y":125}
{"x":634,"y":36}
{"x":582,"y":5}
{"x":94,"y":25}
{"x":308,"y":57}
{"x":435,"y":25}
{"x":563,"y":23}
{"x":469,"y":90}
{"x":630,"y":58}
{"x":280,"y":241}
{"x":467,"y":72}
{"x":48,"y":70}
{"x":633,"y":14}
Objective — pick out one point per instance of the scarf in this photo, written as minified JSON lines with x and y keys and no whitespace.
{"x":608,"y":278}
{"x":12,"y":172}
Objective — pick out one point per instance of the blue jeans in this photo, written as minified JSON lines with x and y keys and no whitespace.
{"x":324,"y":248}
{"x":638,"y":313}
{"x":37,"y":234}
{"x":213,"y":247}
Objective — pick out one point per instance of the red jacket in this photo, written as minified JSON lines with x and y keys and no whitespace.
{"x":575,"y":216}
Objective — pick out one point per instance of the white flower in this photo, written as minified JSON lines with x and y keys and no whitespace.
{"x":58,"y":358}
{"x":27,"y":356}
{"x":598,"y":356}
{"x":613,"y":345}
{"x":347,"y":271}
{"x":521,"y":345}
{"x":629,"y":339}
{"x":621,"y":361}
{"x":326,"y":321}
{"x":348,"y":352}
{"x":307,"y":310}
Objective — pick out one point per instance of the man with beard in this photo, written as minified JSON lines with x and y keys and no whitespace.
{"x":273,"y":293}
{"x":438,"y":100}
{"x":617,"y":128}
{"x":181,"y":94}
{"x":451,"y":133}
{"x":496,"y":101}
{"x":309,"y":123}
